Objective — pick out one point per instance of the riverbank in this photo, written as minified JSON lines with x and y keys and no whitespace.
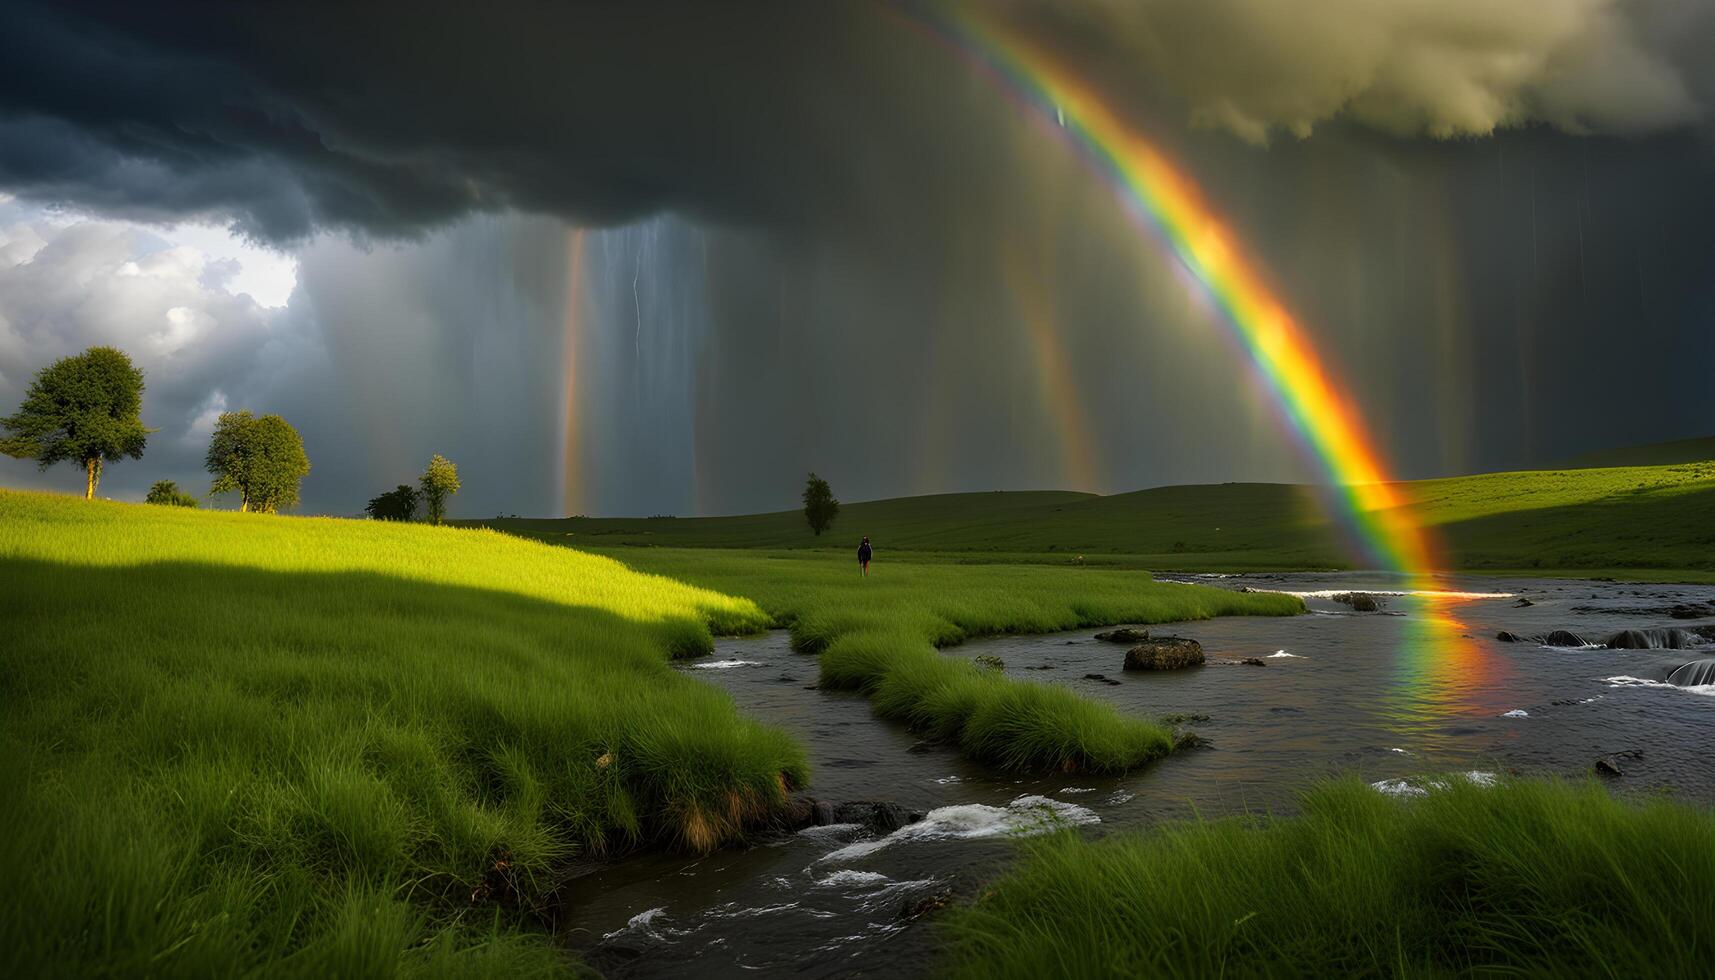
{"x":1531,"y":877}
{"x":880,"y":635}
{"x":1372,"y":696}
{"x":239,"y":741}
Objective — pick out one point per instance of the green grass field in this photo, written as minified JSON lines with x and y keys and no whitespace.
{"x":1523,"y":879}
{"x":240,"y":741}
{"x":879,"y":635}
{"x":327,"y":747}
{"x":244,"y":743}
{"x":1649,"y":521}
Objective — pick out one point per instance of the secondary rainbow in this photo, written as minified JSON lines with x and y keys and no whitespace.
{"x":1168,"y":203}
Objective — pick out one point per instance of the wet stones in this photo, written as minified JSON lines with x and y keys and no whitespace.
{"x":879,"y":818}
{"x":1678,"y":610}
{"x":1103,"y":678}
{"x":989,"y":661}
{"x":1165,"y":653}
{"x":1564,"y":638}
{"x":1184,"y":740}
{"x":1523,"y":603}
{"x":1359,"y":601}
{"x":1608,"y":766}
{"x":1694,"y":674}
{"x":1656,"y":639}
{"x":1125,"y":634}
{"x":913,"y":909}
{"x":1506,"y":636}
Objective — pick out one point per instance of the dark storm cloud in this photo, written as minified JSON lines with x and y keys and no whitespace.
{"x":834,"y":235}
{"x":389,"y":118}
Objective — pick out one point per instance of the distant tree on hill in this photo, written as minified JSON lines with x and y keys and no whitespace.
{"x":81,"y":409}
{"x":168,"y":493}
{"x":439,"y":481}
{"x":397,"y":504}
{"x":820,"y":507}
{"x":260,"y":459}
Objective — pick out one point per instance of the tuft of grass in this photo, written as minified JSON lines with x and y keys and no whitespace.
{"x":879,"y":635}
{"x":1540,"y":878}
{"x":236,"y":743}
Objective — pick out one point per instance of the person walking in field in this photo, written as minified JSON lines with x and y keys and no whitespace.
{"x":865,"y":552}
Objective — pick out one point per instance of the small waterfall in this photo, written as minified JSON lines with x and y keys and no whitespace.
{"x":1694,"y":674}
{"x":1671,"y":638}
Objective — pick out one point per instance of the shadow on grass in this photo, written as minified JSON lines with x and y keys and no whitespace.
{"x":210,"y":769}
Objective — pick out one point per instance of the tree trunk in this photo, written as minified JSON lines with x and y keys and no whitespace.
{"x":244,"y":503}
{"x":89,"y":487}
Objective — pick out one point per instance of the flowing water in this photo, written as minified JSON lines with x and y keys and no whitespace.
{"x":1417,"y":689}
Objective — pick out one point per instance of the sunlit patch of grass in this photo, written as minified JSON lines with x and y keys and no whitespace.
{"x":1534,"y":878}
{"x":238,"y":742}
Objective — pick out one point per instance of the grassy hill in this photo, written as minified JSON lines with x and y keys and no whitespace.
{"x":1639,"y":520}
{"x":237,"y":741}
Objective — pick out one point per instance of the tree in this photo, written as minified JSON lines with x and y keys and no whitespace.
{"x":398,"y":504}
{"x":167,"y":492}
{"x":439,"y":481}
{"x":261,"y":459}
{"x":82,"y":409}
{"x":820,"y":507}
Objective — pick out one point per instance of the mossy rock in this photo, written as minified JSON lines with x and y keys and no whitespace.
{"x":1165,"y":653}
{"x":1125,"y":634}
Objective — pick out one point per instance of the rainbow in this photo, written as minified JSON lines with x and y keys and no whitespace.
{"x":1168,"y":204}
{"x":1442,"y":670}
{"x":571,"y":339}
{"x":1079,"y":459}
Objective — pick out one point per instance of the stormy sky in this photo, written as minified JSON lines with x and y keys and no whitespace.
{"x":665,"y":257}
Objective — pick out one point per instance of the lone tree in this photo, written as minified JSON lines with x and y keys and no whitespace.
{"x":81,"y":409}
{"x":167,"y":492}
{"x":397,"y":504}
{"x":439,"y":481}
{"x":820,"y":507}
{"x":261,"y":459}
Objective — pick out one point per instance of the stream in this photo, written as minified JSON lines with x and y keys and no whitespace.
{"x":1397,"y":696}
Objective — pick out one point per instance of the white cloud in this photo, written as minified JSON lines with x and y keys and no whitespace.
{"x":267,"y":275}
{"x":176,"y":306}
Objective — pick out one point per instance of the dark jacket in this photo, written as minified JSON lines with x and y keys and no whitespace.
{"x":864,"y":551}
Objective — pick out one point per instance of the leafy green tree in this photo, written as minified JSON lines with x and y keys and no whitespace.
{"x":398,"y":504}
{"x":167,"y":492}
{"x":260,"y":459}
{"x":439,"y":481}
{"x":82,"y":409}
{"x":820,"y":507}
